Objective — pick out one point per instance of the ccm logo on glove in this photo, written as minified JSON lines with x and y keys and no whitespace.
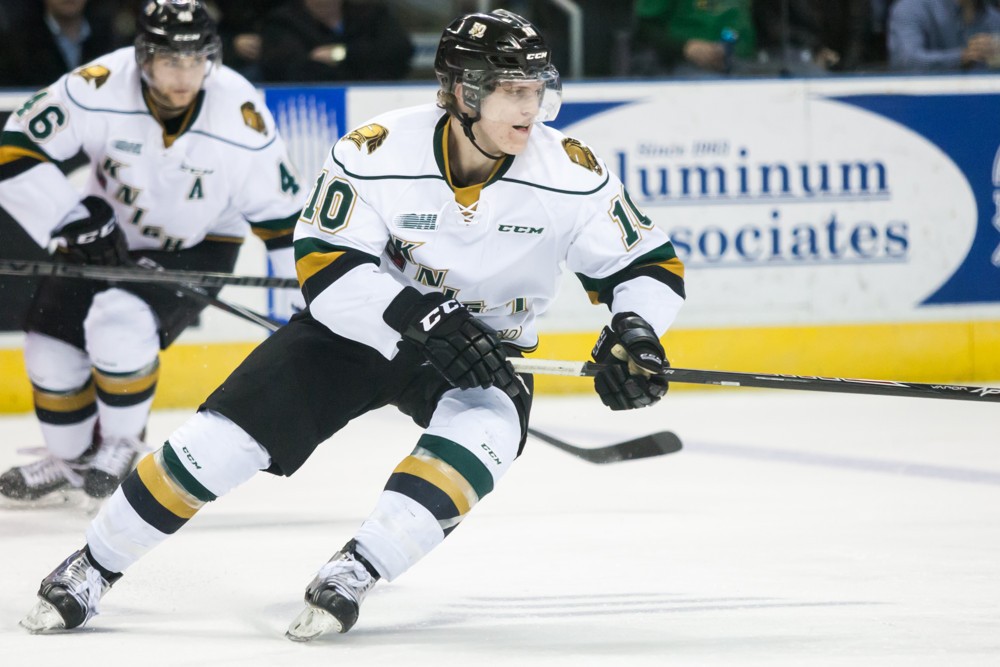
{"x":431,"y":319}
{"x":93,"y":235}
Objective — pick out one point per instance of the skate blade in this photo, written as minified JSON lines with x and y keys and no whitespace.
{"x":43,"y":618}
{"x":312,"y":623}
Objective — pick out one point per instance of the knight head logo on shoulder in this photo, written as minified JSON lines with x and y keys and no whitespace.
{"x":372,"y":136}
{"x":582,"y":155}
{"x":96,"y":74}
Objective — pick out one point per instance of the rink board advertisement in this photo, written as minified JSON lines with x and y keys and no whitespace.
{"x":857,"y":215}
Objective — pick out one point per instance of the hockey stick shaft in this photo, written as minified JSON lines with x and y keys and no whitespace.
{"x":231,"y":308}
{"x":777,"y":381}
{"x":124,"y":274}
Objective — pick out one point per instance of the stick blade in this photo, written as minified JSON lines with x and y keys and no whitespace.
{"x":656,"y":444}
{"x":644,"y":447}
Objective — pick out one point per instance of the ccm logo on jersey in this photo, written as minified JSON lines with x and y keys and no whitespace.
{"x":431,"y":319}
{"x":518,"y":229}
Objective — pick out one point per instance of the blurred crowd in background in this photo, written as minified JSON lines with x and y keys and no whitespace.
{"x":273,"y":41}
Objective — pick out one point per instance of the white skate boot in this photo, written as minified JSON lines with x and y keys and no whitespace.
{"x":115,"y":458}
{"x":68,"y":597}
{"x":334,"y":597}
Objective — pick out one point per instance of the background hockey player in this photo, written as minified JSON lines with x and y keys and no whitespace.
{"x":183,"y":153}
{"x":429,"y":244}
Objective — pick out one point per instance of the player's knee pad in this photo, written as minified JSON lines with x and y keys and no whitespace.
{"x":55,"y":365}
{"x":484,"y":422}
{"x":121,"y":332}
{"x":210,"y":455}
{"x":469,"y":444}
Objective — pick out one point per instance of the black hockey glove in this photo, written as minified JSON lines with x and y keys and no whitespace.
{"x":464,"y":350}
{"x":96,"y":239}
{"x":634,"y":377}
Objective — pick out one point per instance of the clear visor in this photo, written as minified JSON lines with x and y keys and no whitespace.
{"x":175,"y":62}
{"x":517,"y":99}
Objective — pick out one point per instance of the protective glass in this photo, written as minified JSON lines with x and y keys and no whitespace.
{"x":514,"y":97}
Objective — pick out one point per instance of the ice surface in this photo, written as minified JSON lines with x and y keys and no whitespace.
{"x":794,"y":529}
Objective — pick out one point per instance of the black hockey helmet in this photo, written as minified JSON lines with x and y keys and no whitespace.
{"x":478,"y":50}
{"x":178,"y":27}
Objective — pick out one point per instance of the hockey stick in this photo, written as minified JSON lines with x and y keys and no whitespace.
{"x":777,"y":381}
{"x":123,"y":274}
{"x":656,"y":444}
{"x":181,"y":281}
{"x":254,"y":317}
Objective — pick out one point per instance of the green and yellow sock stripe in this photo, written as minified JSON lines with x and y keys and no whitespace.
{"x":65,"y":407}
{"x":163,"y":493}
{"x":126,"y":389}
{"x":444,"y":477}
{"x":162,"y":486}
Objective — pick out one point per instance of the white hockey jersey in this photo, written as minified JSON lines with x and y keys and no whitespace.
{"x":226,"y":167}
{"x":383,"y":214}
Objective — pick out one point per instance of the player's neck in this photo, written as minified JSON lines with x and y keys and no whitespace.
{"x":468,"y":164}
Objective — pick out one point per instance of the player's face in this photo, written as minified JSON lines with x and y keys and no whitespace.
{"x":508,"y":114}
{"x":176,"y":79}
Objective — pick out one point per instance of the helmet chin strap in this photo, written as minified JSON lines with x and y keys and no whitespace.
{"x":466,"y":121}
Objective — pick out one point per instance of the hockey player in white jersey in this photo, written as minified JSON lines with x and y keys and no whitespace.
{"x":183,"y":154}
{"x":429,"y":243}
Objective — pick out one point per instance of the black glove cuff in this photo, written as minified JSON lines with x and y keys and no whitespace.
{"x":414,"y":315}
{"x":408,"y":305}
{"x":632,"y":329}
{"x":602,"y":348}
{"x":98,"y":208}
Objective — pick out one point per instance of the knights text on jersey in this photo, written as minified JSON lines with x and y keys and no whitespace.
{"x":226,"y":165}
{"x":383,"y":214}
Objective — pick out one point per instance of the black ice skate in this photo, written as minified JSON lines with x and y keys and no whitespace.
{"x":113,"y":461}
{"x":334,"y":597}
{"x":68,"y":597}
{"x":42,"y":479}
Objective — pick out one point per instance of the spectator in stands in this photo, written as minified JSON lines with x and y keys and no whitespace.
{"x":240,"y":22}
{"x":47,"y":39}
{"x":819,"y":36}
{"x":938,"y":35}
{"x":334,"y":40}
{"x":685,"y":37}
